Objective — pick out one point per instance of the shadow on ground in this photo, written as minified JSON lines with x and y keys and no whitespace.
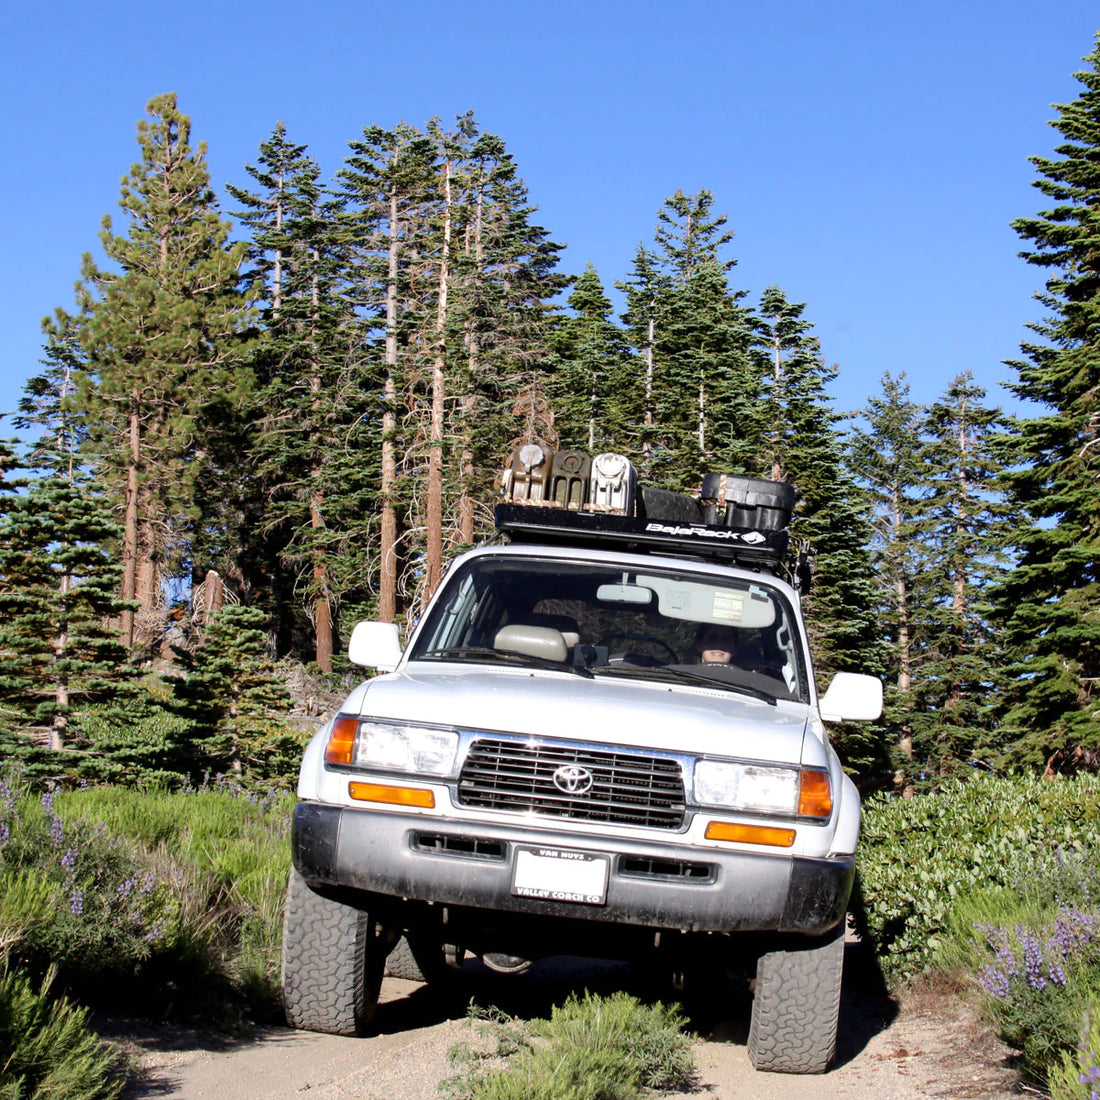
{"x":716,"y":1003}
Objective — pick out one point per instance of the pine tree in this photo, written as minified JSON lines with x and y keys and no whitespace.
{"x":235,"y":702}
{"x":645,"y":291}
{"x":1049,"y":606}
{"x":388,"y":184}
{"x":705,"y":380}
{"x":696,"y":338}
{"x":832,"y":515}
{"x":311,"y":392}
{"x":593,"y":383}
{"x":164,"y":383}
{"x":887,"y":457}
{"x":59,"y":576}
{"x":965,"y":522}
{"x":689,"y":234}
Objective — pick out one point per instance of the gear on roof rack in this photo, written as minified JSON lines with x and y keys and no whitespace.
{"x":572,"y":499}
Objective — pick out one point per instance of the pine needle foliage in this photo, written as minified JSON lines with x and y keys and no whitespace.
{"x":47,"y":1049}
{"x":1049,"y":606}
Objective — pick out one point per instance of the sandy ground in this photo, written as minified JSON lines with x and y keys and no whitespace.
{"x":929,"y":1046}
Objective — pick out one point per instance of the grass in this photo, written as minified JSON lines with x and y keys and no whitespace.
{"x":159,"y":899}
{"x":591,"y":1048}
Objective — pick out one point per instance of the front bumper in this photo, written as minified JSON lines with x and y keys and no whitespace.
{"x":651,"y":884}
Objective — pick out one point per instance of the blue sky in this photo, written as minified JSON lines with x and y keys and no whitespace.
{"x":870,"y":156}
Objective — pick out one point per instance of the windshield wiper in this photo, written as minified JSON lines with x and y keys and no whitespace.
{"x":485,"y":655}
{"x":684,"y":675}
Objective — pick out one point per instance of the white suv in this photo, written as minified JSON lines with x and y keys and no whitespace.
{"x":583,"y":751}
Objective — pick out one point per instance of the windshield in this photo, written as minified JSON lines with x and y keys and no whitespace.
{"x":606,"y":620}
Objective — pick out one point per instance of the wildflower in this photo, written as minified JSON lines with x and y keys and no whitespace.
{"x":76,"y":902}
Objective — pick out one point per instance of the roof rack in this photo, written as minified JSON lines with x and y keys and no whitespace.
{"x":747,"y":546}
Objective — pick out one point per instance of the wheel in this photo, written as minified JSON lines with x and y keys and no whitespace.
{"x":647,"y":639}
{"x":795,"y":1006}
{"x":417,"y":958}
{"x":332,"y":962}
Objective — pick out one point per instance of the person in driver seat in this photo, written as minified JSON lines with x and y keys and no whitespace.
{"x":717,"y":644}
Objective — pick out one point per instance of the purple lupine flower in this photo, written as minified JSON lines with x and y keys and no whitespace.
{"x":68,"y":860}
{"x":76,"y":902}
{"x":1033,"y":958}
{"x":994,"y":981}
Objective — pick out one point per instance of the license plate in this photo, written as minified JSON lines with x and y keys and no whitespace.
{"x":560,"y":874}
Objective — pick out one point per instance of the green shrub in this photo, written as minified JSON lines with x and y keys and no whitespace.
{"x":1034,"y":951}
{"x":46,"y":1048}
{"x":595,"y":1048}
{"x":148,"y":897}
{"x":920,"y":857}
{"x":1076,"y":1076}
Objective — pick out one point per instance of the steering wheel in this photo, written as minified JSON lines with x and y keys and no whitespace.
{"x":647,"y":639}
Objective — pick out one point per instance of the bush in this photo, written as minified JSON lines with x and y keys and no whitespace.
{"x":597,"y":1048}
{"x":1034,"y":951}
{"x":46,"y":1048}
{"x":183,"y":891}
{"x":920,"y":857}
{"x":1077,"y":1076}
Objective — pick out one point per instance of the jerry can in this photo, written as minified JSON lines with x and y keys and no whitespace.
{"x":570,"y":475}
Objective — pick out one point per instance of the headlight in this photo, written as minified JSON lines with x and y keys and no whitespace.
{"x":802,"y":791}
{"x":421,"y":750}
{"x":746,"y":786}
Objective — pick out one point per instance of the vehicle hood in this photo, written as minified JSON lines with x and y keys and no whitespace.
{"x":643,"y":714}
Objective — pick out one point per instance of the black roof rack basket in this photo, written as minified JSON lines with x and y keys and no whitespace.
{"x":745,"y":546}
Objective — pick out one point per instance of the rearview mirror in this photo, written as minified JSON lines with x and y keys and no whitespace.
{"x":624,"y":593}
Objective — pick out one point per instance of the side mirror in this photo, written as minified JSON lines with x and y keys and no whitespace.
{"x":375,"y":645}
{"x":852,"y":697}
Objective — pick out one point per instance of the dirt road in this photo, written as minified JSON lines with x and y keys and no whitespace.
{"x":930,"y":1047}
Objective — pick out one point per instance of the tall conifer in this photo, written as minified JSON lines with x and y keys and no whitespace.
{"x":164,"y":384}
{"x":965,"y":528}
{"x":1049,"y":606}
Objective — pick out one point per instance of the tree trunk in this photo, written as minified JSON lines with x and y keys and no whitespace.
{"x":647,"y":447}
{"x":387,"y":574}
{"x":130,"y":524}
{"x":434,"y":518}
{"x":322,"y":609}
{"x":60,"y":722}
{"x":322,"y":603}
{"x":470,"y":402}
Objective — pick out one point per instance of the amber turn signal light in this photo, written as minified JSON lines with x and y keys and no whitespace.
{"x":341,"y":741}
{"x":750,"y":834}
{"x":392,"y":796}
{"x":814,"y":797}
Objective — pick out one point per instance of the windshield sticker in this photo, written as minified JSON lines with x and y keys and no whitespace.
{"x":729,"y":606}
{"x":677,"y":600}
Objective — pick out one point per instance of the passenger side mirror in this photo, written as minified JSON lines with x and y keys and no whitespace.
{"x":852,"y":697}
{"x":375,"y":645}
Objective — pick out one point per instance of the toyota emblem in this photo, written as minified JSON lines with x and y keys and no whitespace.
{"x":573,"y":779}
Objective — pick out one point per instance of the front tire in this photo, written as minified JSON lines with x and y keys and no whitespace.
{"x":796,"y":1004}
{"x":333,"y":956}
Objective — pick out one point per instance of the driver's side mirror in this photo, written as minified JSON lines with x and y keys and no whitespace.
{"x":375,"y":645}
{"x":852,"y":697}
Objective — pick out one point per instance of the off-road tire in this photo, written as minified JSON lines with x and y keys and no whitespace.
{"x":796,"y":1001}
{"x":332,"y":962}
{"x":417,"y":959}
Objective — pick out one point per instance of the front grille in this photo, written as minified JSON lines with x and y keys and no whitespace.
{"x":627,"y":789}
